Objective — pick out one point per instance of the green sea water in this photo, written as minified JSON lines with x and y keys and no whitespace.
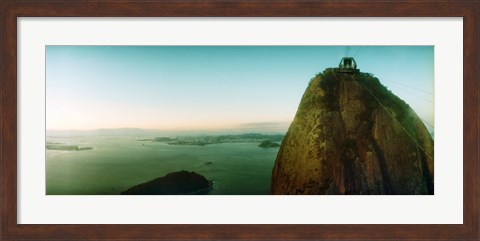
{"x":117,"y":163}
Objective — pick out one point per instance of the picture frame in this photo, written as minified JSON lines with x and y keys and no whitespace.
{"x":11,"y":10}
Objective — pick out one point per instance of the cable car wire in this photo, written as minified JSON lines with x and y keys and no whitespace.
{"x":395,"y":119}
{"x":411,"y":87}
{"x":358,"y":50}
{"x":361,"y":50}
{"x":426,"y":122}
{"x":398,"y":88}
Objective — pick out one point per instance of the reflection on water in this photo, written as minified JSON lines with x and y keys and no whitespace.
{"x":117,"y":163}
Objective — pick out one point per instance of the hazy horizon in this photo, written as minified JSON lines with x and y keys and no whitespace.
{"x":252,"y":126}
{"x":212,"y":88}
{"x":263,"y":128}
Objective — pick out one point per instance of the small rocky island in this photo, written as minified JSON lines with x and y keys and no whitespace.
{"x":174,"y":183}
{"x":268,"y":143}
{"x":62,"y":147}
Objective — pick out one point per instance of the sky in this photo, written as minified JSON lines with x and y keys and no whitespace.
{"x":213,"y":87}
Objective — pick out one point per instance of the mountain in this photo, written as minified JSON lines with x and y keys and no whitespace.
{"x":351,"y":135}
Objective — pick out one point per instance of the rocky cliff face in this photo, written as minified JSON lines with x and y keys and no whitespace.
{"x":351,"y":135}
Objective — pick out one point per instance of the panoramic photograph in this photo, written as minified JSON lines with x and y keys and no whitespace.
{"x":239,"y":120}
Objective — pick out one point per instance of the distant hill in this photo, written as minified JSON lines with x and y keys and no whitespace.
{"x":226,"y":133}
{"x":106,"y":132}
{"x":351,"y":135}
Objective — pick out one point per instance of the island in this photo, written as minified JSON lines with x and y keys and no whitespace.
{"x":175,"y":183}
{"x":268,"y":143}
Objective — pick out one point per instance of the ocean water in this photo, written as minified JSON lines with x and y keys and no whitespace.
{"x":117,"y":163}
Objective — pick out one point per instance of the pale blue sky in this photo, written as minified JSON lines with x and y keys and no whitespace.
{"x":212,"y":87}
